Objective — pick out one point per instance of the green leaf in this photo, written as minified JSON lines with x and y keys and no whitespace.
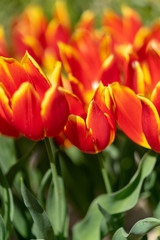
{"x":10,"y":175}
{"x":7,"y":202}
{"x":7,"y":153}
{"x":56,"y":202}
{"x":138,"y":231}
{"x":118,"y":202}
{"x":41,"y":221}
{"x":109,"y":223}
{"x":57,"y":212}
{"x":22,"y":221}
{"x":3,"y":231}
{"x":43,"y":185}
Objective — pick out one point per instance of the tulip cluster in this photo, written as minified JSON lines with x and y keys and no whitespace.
{"x":111,"y":76}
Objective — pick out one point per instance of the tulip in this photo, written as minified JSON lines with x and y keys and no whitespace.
{"x":30,"y":104}
{"x":93,"y":133}
{"x":33,"y":32}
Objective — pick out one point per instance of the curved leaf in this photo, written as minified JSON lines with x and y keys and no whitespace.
{"x":138,"y":231}
{"x":42,"y":224}
{"x":120,"y":201}
{"x":43,"y":185}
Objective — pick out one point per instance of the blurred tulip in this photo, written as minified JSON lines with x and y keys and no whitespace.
{"x":33,"y":32}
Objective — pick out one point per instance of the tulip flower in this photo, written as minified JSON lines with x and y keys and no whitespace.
{"x":30,"y":104}
{"x":128,"y":112}
{"x":123,"y":29}
{"x":33,"y":32}
{"x":93,"y":133}
{"x":151,"y":118}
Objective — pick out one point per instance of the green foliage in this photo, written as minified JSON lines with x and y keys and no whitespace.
{"x":114,"y":203}
{"x":138,"y":231}
{"x":43,"y":228}
{"x":3,"y":231}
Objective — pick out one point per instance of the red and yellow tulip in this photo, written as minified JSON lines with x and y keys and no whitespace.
{"x":33,"y":32}
{"x":29,"y":104}
{"x":94,"y":131}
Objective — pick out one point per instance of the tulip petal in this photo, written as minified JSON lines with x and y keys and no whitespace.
{"x":128,"y":113}
{"x":56,"y":33}
{"x":135,"y":77}
{"x":150,"y":123}
{"x":26,"y":112}
{"x":6,"y":116}
{"x":72,"y":64}
{"x":104,"y":101}
{"x":10,"y":69}
{"x":153,"y":60}
{"x":87,"y":20}
{"x":75,"y":105}
{"x":61,"y":14}
{"x":76,"y":131}
{"x":54,"y":111}
{"x":35,"y":75}
{"x":110,"y":72}
{"x":98,"y":123}
{"x":155,"y":97}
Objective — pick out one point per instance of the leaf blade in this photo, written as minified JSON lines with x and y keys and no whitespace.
{"x":43,"y":226}
{"x":114,"y":203}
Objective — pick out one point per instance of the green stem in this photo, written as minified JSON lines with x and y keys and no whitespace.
{"x":104,"y":173}
{"x":51,"y":153}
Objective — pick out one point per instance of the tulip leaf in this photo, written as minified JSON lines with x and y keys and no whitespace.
{"x":16,"y":167}
{"x":57,"y":210}
{"x":7,"y":202}
{"x":2,"y":229}
{"x":43,"y":228}
{"x":114,"y":203}
{"x":138,"y":231}
{"x":7,"y":153}
{"x":43,"y":185}
{"x":22,"y":221}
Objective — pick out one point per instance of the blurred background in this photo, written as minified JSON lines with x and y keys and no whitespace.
{"x":148,"y":9}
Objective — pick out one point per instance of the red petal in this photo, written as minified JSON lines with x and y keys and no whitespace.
{"x":131,"y":23}
{"x":12,"y":74}
{"x":150,"y":123}
{"x":75,"y":105}
{"x":86,"y":20}
{"x":54,"y":112}
{"x":155,"y":97}
{"x":35,"y":75}
{"x":56,"y":33}
{"x":73,"y":64}
{"x":110,"y":72}
{"x":104,"y":101}
{"x":128,"y":113}
{"x":153,"y":59}
{"x":77,"y":133}
{"x":6,"y":116}
{"x":97,"y":121}
{"x":135,"y":77}
{"x":26,"y":112}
